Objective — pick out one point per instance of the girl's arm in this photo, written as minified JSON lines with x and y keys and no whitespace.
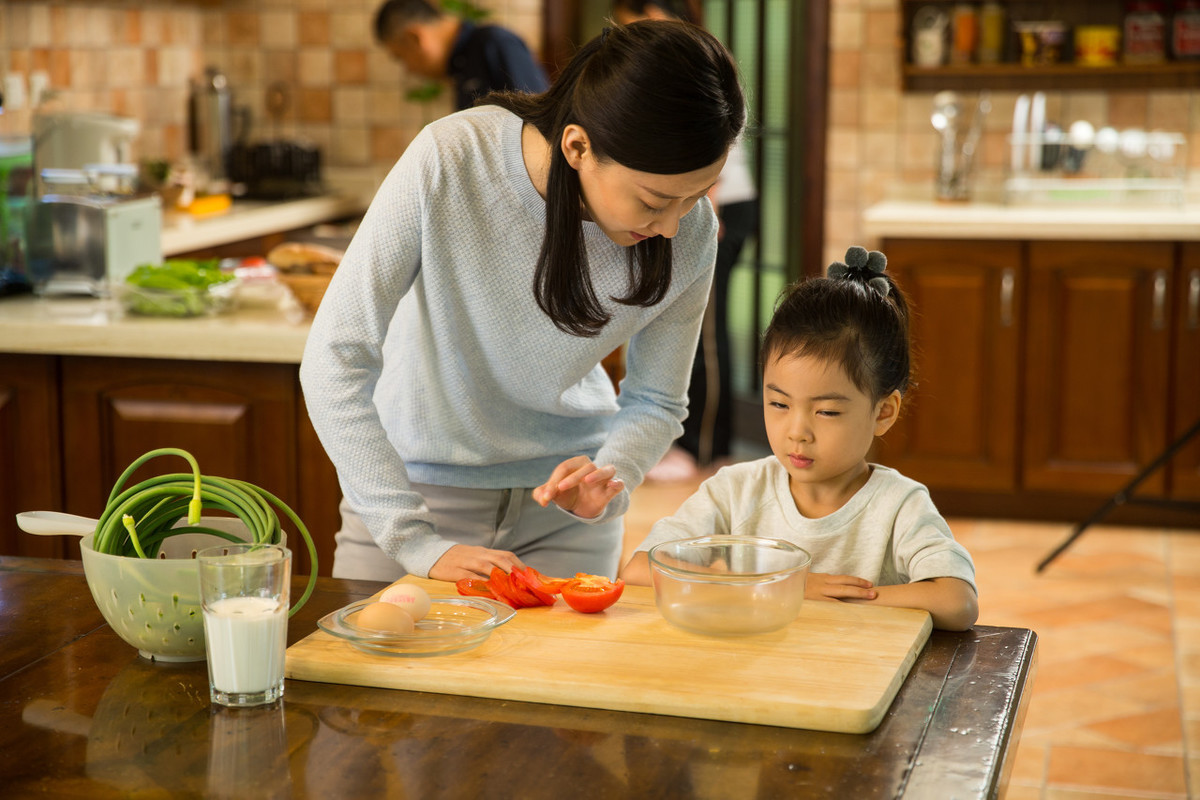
{"x":951,"y":601}
{"x":637,"y":570}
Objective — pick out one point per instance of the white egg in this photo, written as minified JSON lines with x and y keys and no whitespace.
{"x":1108,"y":140}
{"x":384,"y":618}
{"x":412,"y":599}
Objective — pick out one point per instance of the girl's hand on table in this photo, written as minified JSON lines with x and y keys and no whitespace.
{"x":579,"y":486}
{"x":823,"y":586}
{"x":471,"y":561}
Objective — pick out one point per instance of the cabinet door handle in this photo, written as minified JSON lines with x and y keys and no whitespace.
{"x":1193,"y":304}
{"x":1008,"y":281}
{"x":1158,"y":315}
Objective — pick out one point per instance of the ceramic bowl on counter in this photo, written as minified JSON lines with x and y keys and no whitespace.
{"x":729,"y":585}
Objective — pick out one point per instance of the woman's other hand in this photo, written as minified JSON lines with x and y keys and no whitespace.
{"x":471,"y":561}
{"x":579,"y":486}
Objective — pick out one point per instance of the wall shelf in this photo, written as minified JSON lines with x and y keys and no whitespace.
{"x":1011,"y":75}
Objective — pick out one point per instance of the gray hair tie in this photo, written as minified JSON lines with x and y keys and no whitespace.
{"x":862,"y":265}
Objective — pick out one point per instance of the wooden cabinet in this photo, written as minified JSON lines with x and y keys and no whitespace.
{"x":30,"y":456}
{"x":239,"y":420}
{"x":1096,"y":398}
{"x":1185,"y":474}
{"x":958,"y":419}
{"x":1048,"y":374}
{"x":1011,"y":75}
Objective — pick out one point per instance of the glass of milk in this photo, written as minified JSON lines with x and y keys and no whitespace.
{"x":244,"y":599}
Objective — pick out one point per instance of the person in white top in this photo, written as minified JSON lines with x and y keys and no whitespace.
{"x":708,"y":430}
{"x":835,"y":368}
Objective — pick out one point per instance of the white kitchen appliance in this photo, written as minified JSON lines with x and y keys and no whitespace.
{"x":78,"y":139}
{"x":81,"y":244}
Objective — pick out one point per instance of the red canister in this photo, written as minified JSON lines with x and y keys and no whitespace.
{"x":1185,"y":30}
{"x":1145,"y":32}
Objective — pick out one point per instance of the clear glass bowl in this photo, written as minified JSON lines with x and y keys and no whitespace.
{"x":729,"y":585}
{"x":193,"y":301}
{"x":453,"y":624}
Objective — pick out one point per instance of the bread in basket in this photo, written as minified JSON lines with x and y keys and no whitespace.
{"x":305,"y":269}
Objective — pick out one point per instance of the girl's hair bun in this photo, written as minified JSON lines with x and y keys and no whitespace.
{"x":865,"y":266}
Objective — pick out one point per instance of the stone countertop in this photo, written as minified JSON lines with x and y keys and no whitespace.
{"x":247,"y":219}
{"x":98,"y":327}
{"x":930,"y":219}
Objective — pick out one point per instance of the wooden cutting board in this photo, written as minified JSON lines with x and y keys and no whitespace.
{"x":836,"y":668}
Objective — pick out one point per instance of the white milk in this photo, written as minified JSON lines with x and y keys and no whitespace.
{"x":247,"y":638}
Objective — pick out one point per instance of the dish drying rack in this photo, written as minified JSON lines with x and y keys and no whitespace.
{"x":1114,"y":167}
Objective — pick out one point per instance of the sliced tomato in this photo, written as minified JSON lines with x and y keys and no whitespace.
{"x":544,"y":584}
{"x":505,"y":590}
{"x":591,"y":593}
{"x":522,"y":577}
{"x":475,"y":587}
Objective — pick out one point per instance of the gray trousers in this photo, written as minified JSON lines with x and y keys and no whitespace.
{"x":550,"y":541}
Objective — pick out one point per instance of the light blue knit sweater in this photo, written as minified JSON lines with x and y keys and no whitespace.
{"x":430,"y":360}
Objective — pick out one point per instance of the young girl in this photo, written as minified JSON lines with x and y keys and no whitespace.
{"x":835,"y":367}
{"x":453,"y":370}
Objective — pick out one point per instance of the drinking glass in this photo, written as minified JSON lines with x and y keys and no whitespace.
{"x":244,"y":599}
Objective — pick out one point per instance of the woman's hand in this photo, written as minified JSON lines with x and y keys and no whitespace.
{"x":823,"y":586}
{"x":471,"y":561}
{"x":579,"y":486}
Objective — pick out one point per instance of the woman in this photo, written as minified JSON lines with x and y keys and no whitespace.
{"x":453,"y":369}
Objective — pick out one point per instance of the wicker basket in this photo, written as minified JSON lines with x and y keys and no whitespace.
{"x":308,"y":289}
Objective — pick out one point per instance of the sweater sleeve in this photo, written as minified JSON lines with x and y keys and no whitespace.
{"x":658,"y":367}
{"x":343,"y":360}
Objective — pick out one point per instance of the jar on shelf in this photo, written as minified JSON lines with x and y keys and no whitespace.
{"x":991,"y":33}
{"x":929,"y":36}
{"x":1145,"y":32}
{"x":1185,"y":30}
{"x":964,"y":28}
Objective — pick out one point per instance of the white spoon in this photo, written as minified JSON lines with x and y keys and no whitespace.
{"x":55,"y":523}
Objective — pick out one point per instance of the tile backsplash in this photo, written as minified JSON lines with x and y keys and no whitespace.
{"x":138,"y":58}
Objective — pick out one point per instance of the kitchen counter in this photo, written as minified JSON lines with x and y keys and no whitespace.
{"x":248,"y":219}
{"x":927,"y":218}
{"x":97,"y":327}
{"x":81,"y":714}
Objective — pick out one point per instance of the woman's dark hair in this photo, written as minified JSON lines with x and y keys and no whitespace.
{"x":848,"y":322}
{"x":659,"y":97}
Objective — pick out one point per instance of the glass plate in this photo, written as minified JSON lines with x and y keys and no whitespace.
{"x":453,"y":624}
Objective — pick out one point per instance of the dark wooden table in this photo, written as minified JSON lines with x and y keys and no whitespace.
{"x":82,"y":715}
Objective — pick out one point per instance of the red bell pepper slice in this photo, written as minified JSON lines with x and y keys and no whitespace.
{"x":475,"y":587}
{"x":591,"y":593}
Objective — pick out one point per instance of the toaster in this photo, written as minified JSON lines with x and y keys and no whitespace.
{"x":80,"y":244}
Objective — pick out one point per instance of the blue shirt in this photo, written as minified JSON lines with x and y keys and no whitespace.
{"x":488,"y":58}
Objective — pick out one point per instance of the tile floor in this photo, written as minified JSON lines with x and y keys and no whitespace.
{"x":1115,"y":709}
